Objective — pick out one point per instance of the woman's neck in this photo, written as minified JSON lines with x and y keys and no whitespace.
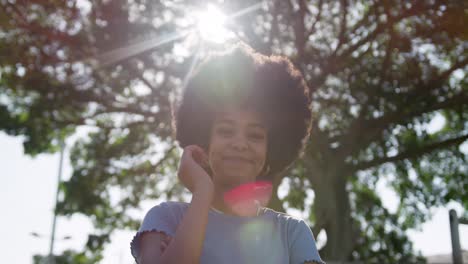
{"x":219,"y":204}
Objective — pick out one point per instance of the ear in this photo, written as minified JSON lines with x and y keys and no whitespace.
{"x":265,"y":171}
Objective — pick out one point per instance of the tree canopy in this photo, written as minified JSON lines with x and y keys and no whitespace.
{"x":380,"y":72}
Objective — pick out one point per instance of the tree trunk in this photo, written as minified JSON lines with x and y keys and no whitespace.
{"x":332,"y":212}
{"x":275,"y":203}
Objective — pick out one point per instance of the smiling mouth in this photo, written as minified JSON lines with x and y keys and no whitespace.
{"x":236,"y":160}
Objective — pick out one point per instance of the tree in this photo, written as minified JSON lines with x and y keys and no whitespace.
{"x":380,"y":72}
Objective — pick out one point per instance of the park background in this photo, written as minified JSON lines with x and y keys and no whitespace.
{"x":389,"y":131}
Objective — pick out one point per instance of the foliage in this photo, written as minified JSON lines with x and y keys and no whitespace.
{"x":381,"y":71}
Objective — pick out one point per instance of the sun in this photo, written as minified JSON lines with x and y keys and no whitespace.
{"x":210,"y":25}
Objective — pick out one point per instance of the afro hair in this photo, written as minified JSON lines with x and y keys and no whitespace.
{"x":270,"y":85}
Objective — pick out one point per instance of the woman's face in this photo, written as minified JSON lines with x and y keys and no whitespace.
{"x":238,"y":147}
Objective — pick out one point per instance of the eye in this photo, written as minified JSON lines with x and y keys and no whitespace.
{"x":224,"y":131}
{"x":257,"y":136}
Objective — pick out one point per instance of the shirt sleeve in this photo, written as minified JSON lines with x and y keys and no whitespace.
{"x":160,"y":218}
{"x":302,"y":247}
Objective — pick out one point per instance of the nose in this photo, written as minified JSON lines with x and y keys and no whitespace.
{"x":239,"y":143}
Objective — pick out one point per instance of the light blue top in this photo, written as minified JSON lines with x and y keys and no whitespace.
{"x":271,"y":237}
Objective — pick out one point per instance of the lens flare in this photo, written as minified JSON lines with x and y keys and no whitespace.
{"x":210,"y":25}
{"x":246,"y":199}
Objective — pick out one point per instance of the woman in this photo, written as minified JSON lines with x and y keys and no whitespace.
{"x":243,"y":118}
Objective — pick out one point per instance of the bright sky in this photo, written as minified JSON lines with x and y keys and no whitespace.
{"x":27,"y":194}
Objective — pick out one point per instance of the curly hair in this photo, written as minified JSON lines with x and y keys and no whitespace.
{"x":270,"y":85}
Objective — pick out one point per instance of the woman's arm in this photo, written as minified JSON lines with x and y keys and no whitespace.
{"x":303,"y":249}
{"x":149,"y":249}
{"x":186,"y":245}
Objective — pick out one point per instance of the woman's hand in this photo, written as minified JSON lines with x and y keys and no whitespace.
{"x":191,"y":172}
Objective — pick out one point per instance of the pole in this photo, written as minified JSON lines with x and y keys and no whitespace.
{"x":456,"y":247}
{"x":54,"y":222}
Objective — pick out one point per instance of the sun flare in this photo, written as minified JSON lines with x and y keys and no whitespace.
{"x":211,"y":25}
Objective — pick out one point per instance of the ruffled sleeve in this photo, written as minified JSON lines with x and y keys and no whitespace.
{"x":161,"y":218}
{"x":302,"y":247}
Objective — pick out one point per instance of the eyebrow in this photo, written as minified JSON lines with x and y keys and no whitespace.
{"x":229,"y":121}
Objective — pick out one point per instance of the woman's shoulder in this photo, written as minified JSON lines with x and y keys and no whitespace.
{"x":299,"y":237}
{"x":289,"y":223}
{"x":167,"y":214}
{"x":282,"y":217}
{"x":171,"y":205}
{"x":169,"y":208}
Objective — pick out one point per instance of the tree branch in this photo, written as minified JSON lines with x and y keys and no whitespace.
{"x":374,"y":127}
{"x":364,"y":20}
{"x":411,"y":153}
{"x":274,"y":23}
{"x":343,"y":25}
{"x":299,"y":28}
{"x":387,"y":59}
{"x":318,"y":17}
{"x":414,"y":10}
{"x":435,"y":82}
{"x":334,"y":62}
